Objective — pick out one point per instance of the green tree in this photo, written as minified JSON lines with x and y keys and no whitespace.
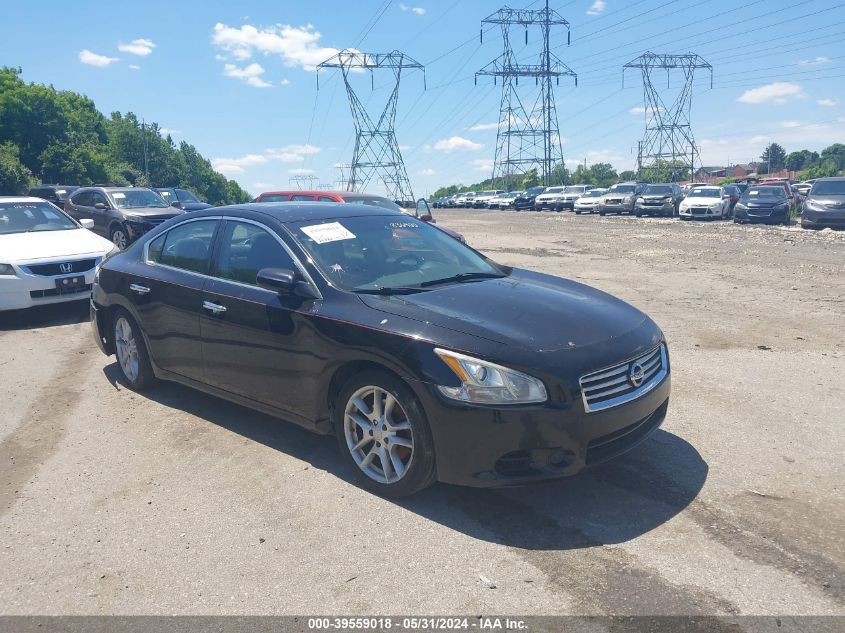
{"x":796,"y":161}
{"x":834,"y":154}
{"x":628,"y":175}
{"x":603,"y":174}
{"x":15,"y":178}
{"x":84,"y":164}
{"x":774,"y":157}
{"x":581,"y":176}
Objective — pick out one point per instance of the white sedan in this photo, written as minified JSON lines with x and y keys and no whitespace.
{"x":45,"y":255}
{"x":705,"y":202}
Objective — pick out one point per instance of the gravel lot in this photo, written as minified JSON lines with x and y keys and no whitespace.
{"x":174,"y":502}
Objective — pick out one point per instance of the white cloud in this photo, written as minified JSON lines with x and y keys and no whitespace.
{"x":426,"y":172}
{"x":300,"y":149}
{"x":93,"y":59}
{"x":141,"y":47}
{"x":263,"y":185}
{"x":250,"y":75}
{"x":484,"y":126}
{"x":778,"y":92}
{"x":301,"y":172}
{"x":286,"y":154}
{"x":456,"y":143}
{"x":789,"y":124}
{"x":134,"y":67}
{"x":637,"y":110}
{"x":296,"y":45}
{"x":483,"y":164}
{"x":416,"y":10}
{"x":828,"y":102}
{"x":164,"y":131}
{"x":760,"y":138}
{"x":404,"y":148}
{"x":815,"y":61}
{"x":597,"y":7}
{"x":285,"y":82}
{"x":237,"y":165}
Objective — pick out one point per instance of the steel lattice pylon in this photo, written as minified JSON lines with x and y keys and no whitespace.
{"x":668,"y":147}
{"x":526,"y":139}
{"x":376,"y":153}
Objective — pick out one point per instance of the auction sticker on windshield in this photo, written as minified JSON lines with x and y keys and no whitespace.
{"x":330,"y":232}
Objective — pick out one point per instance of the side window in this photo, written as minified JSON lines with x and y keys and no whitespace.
{"x":155,"y":248}
{"x":275,"y":198}
{"x":82,"y":199}
{"x":325,"y":199}
{"x":98,"y":197}
{"x":186,"y":246}
{"x":302,"y":198}
{"x":245,"y":249}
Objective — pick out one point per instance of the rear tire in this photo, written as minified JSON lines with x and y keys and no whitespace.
{"x":131,"y":351}
{"x":377,"y":417}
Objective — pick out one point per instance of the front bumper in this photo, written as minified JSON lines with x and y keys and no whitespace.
{"x":539,"y":205}
{"x":700,"y":212}
{"x":662,"y":208}
{"x":613,"y":207}
{"x":507,"y":446}
{"x":813,"y":218}
{"x":764,"y":215}
{"x":28,"y":291}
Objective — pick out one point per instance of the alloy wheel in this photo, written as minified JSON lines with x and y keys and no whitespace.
{"x":127,"y":348}
{"x":378,"y":434}
{"x":119,"y":239}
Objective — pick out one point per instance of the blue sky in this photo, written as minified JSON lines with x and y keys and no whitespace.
{"x":237,"y":79}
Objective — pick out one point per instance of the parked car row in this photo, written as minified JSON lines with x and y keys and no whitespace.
{"x":820,"y":202}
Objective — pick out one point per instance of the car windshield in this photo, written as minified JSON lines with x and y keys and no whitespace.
{"x":533,"y":191}
{"x":764,"y":192}
{"x":186,"y":196}
{"x":829,"y":188}
{"x":658,"y":190}
{"x":701,"y":192}
{"x":167,"y":194}
{"x":139,"y":199}
{"x":553,"y":190}
{"x":32,"y":217}
{"x":573,"y":190}
{"x":595,"y":193}
{"x":376,"y":201}
{"x":622,"y":189}
{"x":384,"y":253}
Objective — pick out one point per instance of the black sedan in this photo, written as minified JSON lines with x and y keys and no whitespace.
{"x":426,"y":359}
{"x":765,"y":204}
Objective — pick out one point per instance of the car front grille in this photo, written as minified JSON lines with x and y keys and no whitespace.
{"x":760,"y":213}
{"x":56,"y":268}
{"x":698,"y":210}
{"x":614,"y":201}
{"x":624,"y":382}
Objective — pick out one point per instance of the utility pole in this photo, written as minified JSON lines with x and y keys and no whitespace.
{"x":146,"y":156}
{"x":668,"y":133}
{"x":526,"y":139}
{"x":376,"y":153}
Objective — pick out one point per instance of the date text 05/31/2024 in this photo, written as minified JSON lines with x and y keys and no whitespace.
{"x":414,"y":624}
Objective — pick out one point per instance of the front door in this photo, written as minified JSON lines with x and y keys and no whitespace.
{"x":256,"y":343}
{"x":167,"y":295}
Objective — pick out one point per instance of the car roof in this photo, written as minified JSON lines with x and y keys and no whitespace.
{"x":22,"y":199}
{"x":297,"y":211}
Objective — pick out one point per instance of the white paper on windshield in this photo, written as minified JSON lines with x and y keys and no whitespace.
{"x":61,"y":191}
{"x":118,"y":195}
{"x":331,"y":232}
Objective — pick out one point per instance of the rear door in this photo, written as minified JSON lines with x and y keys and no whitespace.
{"x":255,"y":343}
{"x":100,"y":216}
{"x":168,"y":295}
{"x":80,"y":206}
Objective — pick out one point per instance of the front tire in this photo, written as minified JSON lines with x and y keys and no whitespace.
{"x":383,"y":435}
{"x":131,"y":351}
{"x":119,"y":236}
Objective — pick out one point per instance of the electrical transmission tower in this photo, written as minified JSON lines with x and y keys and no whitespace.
{"x":376,"y":153}
{"x":527,"y":139}
{"x":301,"y":180}
{"x":668,"y":148}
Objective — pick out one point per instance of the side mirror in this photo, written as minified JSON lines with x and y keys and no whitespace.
{"x":87,"y":223}
{"x":279,"y":280}
{"x":423,"y":210}
{"x":101,"y":206}
{"x":176,"y":204}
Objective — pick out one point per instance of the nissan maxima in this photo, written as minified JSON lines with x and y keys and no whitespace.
{"x":427,"y":360}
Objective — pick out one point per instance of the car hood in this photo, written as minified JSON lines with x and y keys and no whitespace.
{"x":51,"y":244}
{"x":168,"y":212}
{"x":195,"y":206}
{"x":703,"y":201}
{"x":657,"y":196}
{"x":835,"y":202}
{"x":526,"y":310}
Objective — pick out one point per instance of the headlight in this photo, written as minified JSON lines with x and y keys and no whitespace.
{"x":782,"y":205}
{"x":487,"y":383}
{"x":740,"y":206}
{"x":134,"y":219}
{"x":627,"y":199}
{"x":6,"y":269}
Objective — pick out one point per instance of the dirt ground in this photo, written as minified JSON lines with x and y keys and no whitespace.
{"x":174,"y":502}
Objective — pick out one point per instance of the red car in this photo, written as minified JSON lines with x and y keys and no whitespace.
{"x":423,"y":212}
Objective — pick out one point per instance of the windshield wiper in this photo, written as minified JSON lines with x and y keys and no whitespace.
{"x":387,"y":290}
{"x":461,"y":277}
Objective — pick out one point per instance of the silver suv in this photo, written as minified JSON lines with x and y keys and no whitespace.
{"x":122,"y":214}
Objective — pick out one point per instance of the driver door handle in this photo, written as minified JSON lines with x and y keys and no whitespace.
{"x":139,"y":289}
{"x":214,"y":308}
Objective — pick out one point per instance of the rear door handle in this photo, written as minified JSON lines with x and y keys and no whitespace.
{"x":214,"y":308}
{"x":139,"y":289}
